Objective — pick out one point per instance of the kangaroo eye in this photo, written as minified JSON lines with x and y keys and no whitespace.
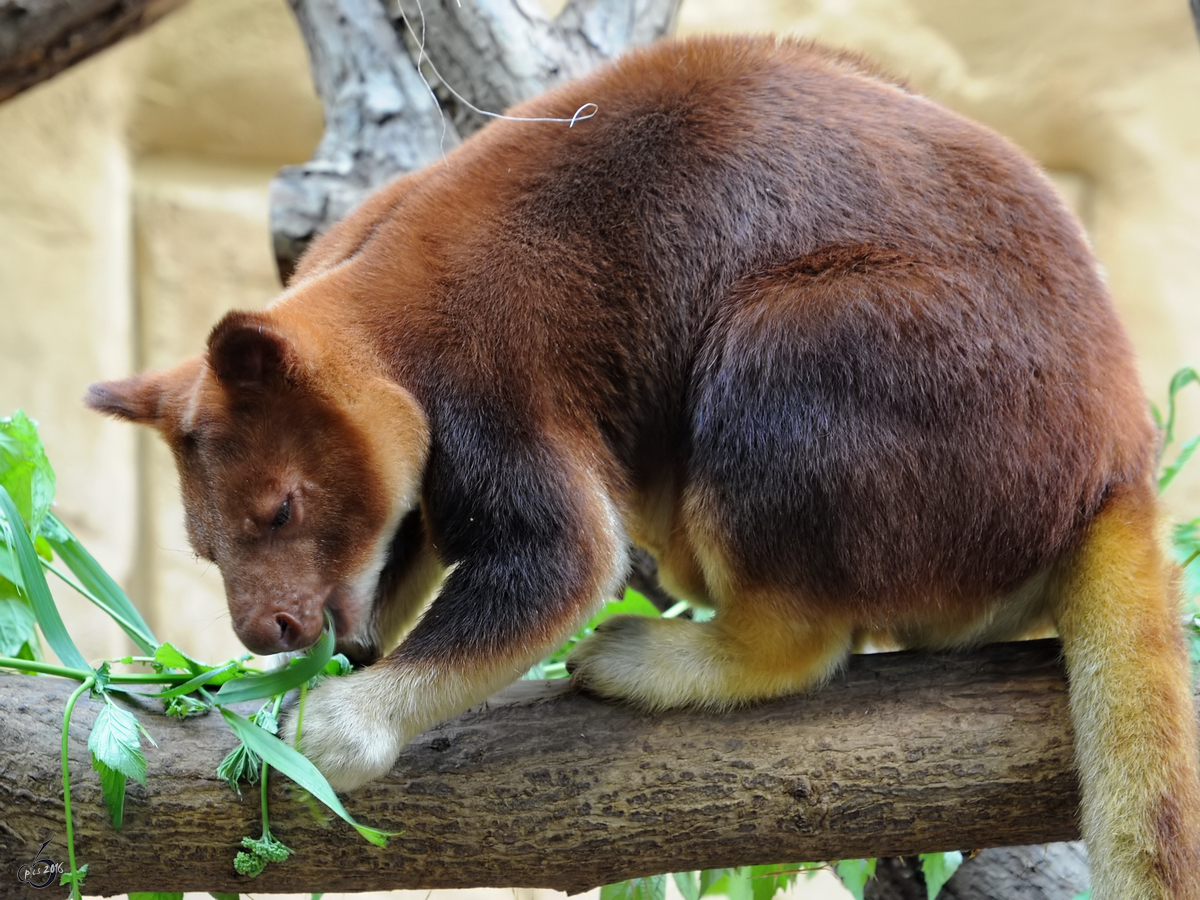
{"x":282,"y":515}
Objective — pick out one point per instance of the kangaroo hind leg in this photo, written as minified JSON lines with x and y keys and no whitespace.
{"x":748,"y":651}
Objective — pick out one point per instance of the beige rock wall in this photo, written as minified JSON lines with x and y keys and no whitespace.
{"x":133,"y":212}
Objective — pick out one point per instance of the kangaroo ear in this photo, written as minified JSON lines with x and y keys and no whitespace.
{"x":135,"y":399}
{"x":247,"y":350}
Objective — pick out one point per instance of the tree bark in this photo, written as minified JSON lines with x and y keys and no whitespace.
{"x":1036,"y":872}
{"x":40,"y":38}
{"x":544,"y":787}
{"x":381,"y":115}
{"x":1040,"y":872}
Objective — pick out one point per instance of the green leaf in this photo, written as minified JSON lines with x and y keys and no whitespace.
{"x":183,"y":707}
{"x":75,"y":879}
{"x":712,"y":880}
{"x":100,"y":587}
{"x":297,"y":768}
{"x":157,"y":895}
{"x":688,"y":884}
{"x":16,"y":622}
{"x":737,"y":884}
{"x":240,"y":764}
{"x":42,"y":546}
{"x":265,"y":719}
{"x":938,"y":867}
{"x":1179,"y":381}
{"x":1185,"y":547}
{"x":1169,"y":472}
{"x":631,"y":604}
{"x":269,"y":684}
{"x":9,"y":570}
{"x":36,"y":588}
{"x":767,"y":881}
{"x":855,"y":873}
{"x":102,"y":678}
{"x":218,"y":896}
{"x":114,"y":741}
{"x":211,"y":676}
{"x":653,"y":887}
{"x":166,"y":655}
{"x":25,"y":472}
{"x":112,"y":787}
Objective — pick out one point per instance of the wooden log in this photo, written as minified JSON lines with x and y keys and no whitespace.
{"x":544,"y":787}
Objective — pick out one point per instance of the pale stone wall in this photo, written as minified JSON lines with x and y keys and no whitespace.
{"x":133,"y":213}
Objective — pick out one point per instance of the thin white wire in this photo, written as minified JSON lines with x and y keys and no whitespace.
{"x":580,"y":114}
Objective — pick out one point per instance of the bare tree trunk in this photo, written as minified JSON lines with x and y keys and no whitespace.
{"x":40,"y":38}
{"x":1038,"y":872}
{"x":1057,"y":871}
{"x":542,"y":787}
{"x":381,"y":118}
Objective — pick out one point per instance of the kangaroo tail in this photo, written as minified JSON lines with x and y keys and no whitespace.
{"x":1131,"y":707}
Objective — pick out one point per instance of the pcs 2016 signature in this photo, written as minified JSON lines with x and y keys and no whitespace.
{"x":40,"y":872}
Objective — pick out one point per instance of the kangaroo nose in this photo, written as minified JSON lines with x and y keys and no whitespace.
{"x":279,"y":630}
{"x":290,"y":634}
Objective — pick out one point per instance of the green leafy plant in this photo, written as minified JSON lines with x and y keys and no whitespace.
{"x":1185,"y":536}
{"x":34,"y":543}
{"x":855,"y":873}
{"x":742,"y":883}
{"x":1166,"y":425}
{"x":938,"y":869}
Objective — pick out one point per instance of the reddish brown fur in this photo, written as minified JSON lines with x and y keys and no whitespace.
{"x":841,"y":359}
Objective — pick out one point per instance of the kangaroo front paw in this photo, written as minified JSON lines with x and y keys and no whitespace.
{"x":349,"y":738}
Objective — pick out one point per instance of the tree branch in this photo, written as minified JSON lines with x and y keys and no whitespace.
{"x":542,"y":787}
{"x":380,"y":118}
{"x":499,"y":52}
{"x":40,"y":38}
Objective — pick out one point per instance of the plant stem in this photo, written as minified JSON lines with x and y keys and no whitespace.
{"x":8,"y":662}
{"x":300,"y":713}
{"x":66,"y":777}
{"x":266,"y":829}
{"x":165,"y":678}
{"x":29,"y":665}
